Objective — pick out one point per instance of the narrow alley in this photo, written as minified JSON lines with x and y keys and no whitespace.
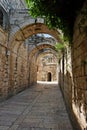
{"x":41,"y":107}
{"x":45,"y":41}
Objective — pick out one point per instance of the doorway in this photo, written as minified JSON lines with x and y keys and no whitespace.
{"x":49,"y":76}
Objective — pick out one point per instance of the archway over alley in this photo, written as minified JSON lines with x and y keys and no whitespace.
{"x":26,"y":56}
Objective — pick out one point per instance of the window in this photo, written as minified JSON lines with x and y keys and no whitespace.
{"x":1,"y":18}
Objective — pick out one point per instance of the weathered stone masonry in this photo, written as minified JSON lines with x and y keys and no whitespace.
{"x":18,"y":68}
{"x":13,"y":69}
{"x":18,"y":60}
{"x":73,"y":72}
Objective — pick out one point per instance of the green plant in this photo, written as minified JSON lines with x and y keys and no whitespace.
{"x":58,"y":13}
{"x":64,"y":44}
{"x":59,"y":46}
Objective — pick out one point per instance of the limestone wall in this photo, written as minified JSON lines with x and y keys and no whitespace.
{"x":12,"y":4}
{"x":16,"y":72}
{"x":79,"y":60}
{"x":19,"y":69}
{"x":44,"y":70}
{"x":3,"y":65}
{"x":73,"y":79}
{"x":65,"y":76}
{"x":32,"y":71}
{"x":47,"y":67}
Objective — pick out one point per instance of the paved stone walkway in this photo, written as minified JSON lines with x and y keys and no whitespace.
{"x":40,"y":107}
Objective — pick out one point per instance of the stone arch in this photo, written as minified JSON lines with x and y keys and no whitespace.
{"x":23,"y":33}
{"x":16,"y":40}
{"x":38,"y":48}
{"x":50,"y":51}
{"x":45,"y":52}
{"x":37,"y":51}
{"x":33,"y":57}
{"x":43,"y":68}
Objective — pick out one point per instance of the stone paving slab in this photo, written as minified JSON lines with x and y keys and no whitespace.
{"x":41,"y":107}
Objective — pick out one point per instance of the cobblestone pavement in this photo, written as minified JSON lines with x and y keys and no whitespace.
{"x":40,"y":107}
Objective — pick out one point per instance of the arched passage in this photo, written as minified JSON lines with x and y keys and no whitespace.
{"x":17,"y":39}
{"x":23,"y":33}
{"x":38,"y":55}
{"x":28,"y":59}
{"x":47,"y":62}
{"x":79,"y":58}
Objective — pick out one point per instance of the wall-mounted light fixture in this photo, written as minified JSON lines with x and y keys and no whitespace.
{"x":39,"y":20}
{"x":8,"y":53}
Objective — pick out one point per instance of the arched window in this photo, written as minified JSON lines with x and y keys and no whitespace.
{"x":49,"y":76}
{"x":1,"y":18}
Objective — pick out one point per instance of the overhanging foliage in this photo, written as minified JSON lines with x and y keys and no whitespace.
{"x":58,"y":13}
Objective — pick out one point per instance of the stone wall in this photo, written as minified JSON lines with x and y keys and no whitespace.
{"x":10,"y":9}
{"x":43,"y":71}
{"x":18,"y":70}
{"x":12,"y":4}
{"x":79,"y":60}
{"x":65,"y":76}
{"x":14,"y":68}
{"x":3,"y":65}
{"x":47,"y":67}
{"x":32,"y":70}
{"x":73,"y":79}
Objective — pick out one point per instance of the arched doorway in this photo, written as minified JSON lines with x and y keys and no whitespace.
{"x":49,"y":76}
